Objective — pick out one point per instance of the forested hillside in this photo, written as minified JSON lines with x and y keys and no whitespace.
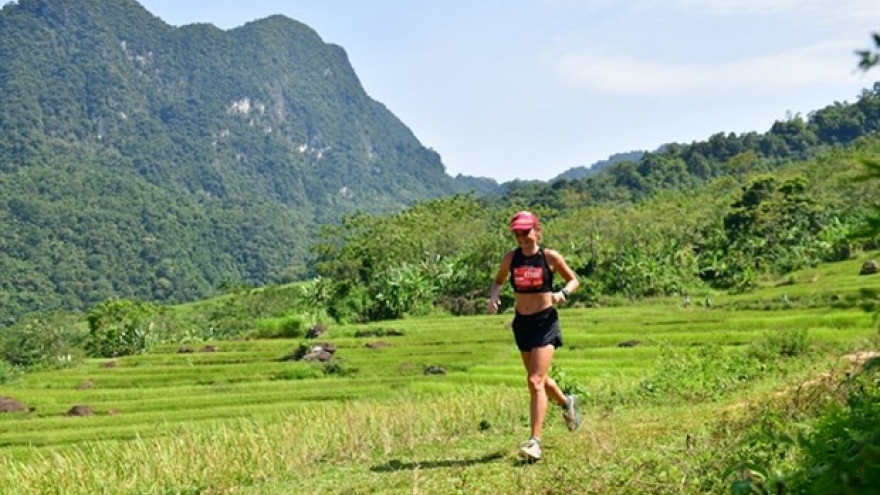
{"x":678,"y":166}
{"x":147,"y":161}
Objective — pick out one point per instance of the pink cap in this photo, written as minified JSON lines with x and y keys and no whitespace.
{"x":523,"y":220}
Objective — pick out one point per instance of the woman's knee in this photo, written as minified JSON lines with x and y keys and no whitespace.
{"x":537,"y":382}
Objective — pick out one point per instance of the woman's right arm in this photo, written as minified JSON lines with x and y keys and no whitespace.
{"x":498,"y":282}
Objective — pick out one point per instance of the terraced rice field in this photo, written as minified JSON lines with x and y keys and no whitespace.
{"x":164,"y":392}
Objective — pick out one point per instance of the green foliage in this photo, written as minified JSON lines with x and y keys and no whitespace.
{"x":403,"y":264}
{"x":841,"y":453}
{"x":145,"y":161}
{"x":403,"y":290}
{"x":301,"y":350}
{"x":871,"y":228}
{"x":774,"y":227}
{"x":352,"y":303}
{"x":569,"y":385}
{"x":440,"y":255}
{"x":268,"y":308}
{"x":121,"y":328}
{"x":699,"y":373}
{"x":773,"y":346}
{"x":8,"y":372}
{"x":289,"y":327}
{"x":41,"y":341}
{"x":820,"y":437}
{"x":298,"y":372}
{"x":683,"y":167}
{"x":870,"y":57}
{"x":338,"y":368}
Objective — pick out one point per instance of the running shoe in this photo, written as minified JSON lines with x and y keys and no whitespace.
{"x":571,"y":414}
{"x":531,"y":450}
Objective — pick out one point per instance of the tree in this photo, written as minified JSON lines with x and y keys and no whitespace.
{"x":868,"y":59}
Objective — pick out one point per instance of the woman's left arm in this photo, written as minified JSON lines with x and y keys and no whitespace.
{"x":558,"y":264}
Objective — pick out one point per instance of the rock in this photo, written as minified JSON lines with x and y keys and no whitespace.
{"x":80,"y":411}
{"x":321,"y":352}
{"x":869,"y":267}
{"x":435,"y":370}
{"x":8,"y":404}
{"x":316,"y":331}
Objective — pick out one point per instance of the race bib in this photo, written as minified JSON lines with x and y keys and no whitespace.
{"x":528,"y":277}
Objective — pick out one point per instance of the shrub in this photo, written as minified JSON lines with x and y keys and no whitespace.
{"x":841,"y":454}
{"x":8,"y":372}
{"x":824,"y":441}
{"x":41,"y":342}
{"x":782,"y":344}
{"x":337,"y":367}
{"x":289,"y":327}
{"x":298,"y":372}
{"x":700,"y":373}
{"x":351,"y":303}
{"x":568,"y":385}
{"x":120,"y":328}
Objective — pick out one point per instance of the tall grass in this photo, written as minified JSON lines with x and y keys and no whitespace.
{"x":220,"y":456}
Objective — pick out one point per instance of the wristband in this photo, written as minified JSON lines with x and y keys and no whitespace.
{"x":565,"y":293}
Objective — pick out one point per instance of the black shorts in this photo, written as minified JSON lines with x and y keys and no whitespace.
{"x":537,"y":330}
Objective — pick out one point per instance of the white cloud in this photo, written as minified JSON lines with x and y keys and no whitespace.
{"x":755,"y":7}
{"x":828,"y":11}
{"x":617,"y":73}
{"x":827,"y":8}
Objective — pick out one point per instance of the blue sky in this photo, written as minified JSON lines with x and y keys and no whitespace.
{"x":526,"y":89}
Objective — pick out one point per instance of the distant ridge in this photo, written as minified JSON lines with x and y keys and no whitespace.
{"x":581,"y":172}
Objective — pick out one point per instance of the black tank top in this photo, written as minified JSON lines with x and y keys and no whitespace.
{"x":530,"y":273}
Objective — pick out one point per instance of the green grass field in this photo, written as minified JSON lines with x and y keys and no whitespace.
{"x":243,"y":420}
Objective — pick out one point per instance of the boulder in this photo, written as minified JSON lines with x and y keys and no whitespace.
{"x":435,"y":370}
{"x":80,"y":411}
{"x":869,"y":267}
{"x":321,"y":352}
{"x":316,"y":331}
{"x":8,"y":404}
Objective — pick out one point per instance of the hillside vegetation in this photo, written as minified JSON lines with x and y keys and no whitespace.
{"x":726,"y":237}
{"x":142,"y":160}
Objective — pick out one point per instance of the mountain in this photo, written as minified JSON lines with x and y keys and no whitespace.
{"x":143,"y":160}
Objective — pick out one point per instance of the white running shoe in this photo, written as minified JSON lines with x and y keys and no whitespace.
{"x":531,"y":450}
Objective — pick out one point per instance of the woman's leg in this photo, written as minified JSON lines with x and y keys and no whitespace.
{"x":537,"y":364}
